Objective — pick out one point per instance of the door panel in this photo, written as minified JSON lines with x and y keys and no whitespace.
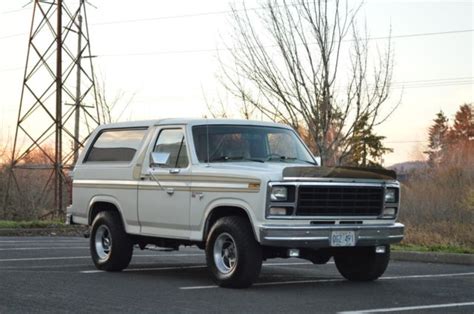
{"x":164,"y":192}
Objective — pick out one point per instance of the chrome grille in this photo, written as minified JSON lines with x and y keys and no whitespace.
{"x":340,"y":201}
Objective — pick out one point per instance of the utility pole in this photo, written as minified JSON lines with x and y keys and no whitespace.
{"x":44,"y":119}
{"x":77,"y":109}
{"x":58,"y":181}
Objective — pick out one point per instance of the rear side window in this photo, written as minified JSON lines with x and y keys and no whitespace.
{"x":116,"y":145}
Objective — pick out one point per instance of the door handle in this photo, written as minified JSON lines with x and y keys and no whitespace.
{"x":174,"y":170}
{"x":170,"y":191}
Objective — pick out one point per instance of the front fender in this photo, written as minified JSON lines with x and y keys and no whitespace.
{"x":228,"y":202}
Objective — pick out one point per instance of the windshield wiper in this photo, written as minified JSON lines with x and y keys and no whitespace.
{"x":227,"y":158}
{"x":283,"y":158}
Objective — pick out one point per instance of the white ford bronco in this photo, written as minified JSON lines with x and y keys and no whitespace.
{"x":244,"y":191}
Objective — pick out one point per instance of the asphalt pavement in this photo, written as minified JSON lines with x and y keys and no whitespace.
{"x":56,"y":275}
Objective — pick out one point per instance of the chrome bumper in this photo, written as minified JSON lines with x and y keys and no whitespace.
{"x":298,"y":236}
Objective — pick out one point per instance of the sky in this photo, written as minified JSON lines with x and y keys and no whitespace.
{"x":162,"y":55}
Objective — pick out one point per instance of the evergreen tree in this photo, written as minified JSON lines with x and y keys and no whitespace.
{"x":438,"y":134}
{"x":463,"y":127}
{"x":367,"y":148}
{"x":460,"y":150}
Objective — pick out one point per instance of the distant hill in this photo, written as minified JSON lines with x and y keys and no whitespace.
{"x":408,"y":166}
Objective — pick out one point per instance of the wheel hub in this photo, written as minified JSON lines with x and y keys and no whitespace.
{"x":103,"y":242}
{"x":225,"y":253}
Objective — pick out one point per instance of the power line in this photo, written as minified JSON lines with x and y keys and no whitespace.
{"x":158,"y":18}
{"x":439,"y":82}
{"x":11,"y":69}
{"x":14,"y":11}
{"x":153,"y":53}
{"x":200,"y":14}
{"x":190,"y":15}
{"x":13,"y":35}
{"x":423,"y":34}
{"x":441,"y":79}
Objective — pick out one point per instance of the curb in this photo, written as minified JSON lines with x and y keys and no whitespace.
{"x":432,"y":257}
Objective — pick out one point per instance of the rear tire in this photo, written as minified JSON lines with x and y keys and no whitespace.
{"x":233,"y":256}
{"x":362,"y":264}
{"x":111,"y":248}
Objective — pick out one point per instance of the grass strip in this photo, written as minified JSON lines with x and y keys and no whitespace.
{"x":9,"y":224}
{"x":432,"y":248}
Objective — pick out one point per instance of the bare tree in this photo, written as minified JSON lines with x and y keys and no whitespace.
{"x":109,"y":104}
{"x":288,"y":59}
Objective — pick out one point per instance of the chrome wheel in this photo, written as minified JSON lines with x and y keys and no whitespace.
{"x":103,"y":242}
{"x":225,"y":253}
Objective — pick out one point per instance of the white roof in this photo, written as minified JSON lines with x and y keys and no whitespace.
{"x":192,"y":122}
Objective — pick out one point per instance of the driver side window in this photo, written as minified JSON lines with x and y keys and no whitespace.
{"x":172,"y":141}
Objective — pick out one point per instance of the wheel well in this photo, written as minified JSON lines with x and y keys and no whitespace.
{"x":98,"y":207}
{"x":223,"y":211}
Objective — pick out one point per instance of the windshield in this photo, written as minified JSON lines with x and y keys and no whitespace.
{"x":248,"y":143}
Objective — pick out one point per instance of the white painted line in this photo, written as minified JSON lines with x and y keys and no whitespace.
{"x":94,"y":271}
{"x":43,"y":266}
{"x":294,"y":263}
{"x":42,"y":258}
{"x":44,"y":241}
{"x":44,"y":248}
{"x":87,"y":257}
{"x":287,"y":264}
{"x":411,"y":308}
{"x":276,"y":283}
{"x":427,"y":276}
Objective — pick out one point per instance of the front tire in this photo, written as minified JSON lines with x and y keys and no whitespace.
{"x":111,"y":249}
{"x":233,"y":256}
{"x":362,"y":264}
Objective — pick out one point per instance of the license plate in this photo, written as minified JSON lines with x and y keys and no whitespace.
{"x":343,"y":238}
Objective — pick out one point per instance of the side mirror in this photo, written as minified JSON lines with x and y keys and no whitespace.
{"x":158,"y":159}
{"x":318,"y":160}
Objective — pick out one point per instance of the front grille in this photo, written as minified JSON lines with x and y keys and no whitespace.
{"x":339,"y":201}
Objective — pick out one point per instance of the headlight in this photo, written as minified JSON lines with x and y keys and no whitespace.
{"x":391,"y":195}
{"x":279,"y":193}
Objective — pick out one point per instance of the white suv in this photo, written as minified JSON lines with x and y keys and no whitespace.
{"x":243,"y":191}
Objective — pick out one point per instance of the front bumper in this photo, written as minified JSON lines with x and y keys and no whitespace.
{"x":304,"y":236}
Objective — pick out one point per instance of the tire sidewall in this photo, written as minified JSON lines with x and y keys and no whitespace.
{"x":121,"y":249}
{"x":249,"y":256}
{"x":210,"y":252}
{"x":100,"y":220}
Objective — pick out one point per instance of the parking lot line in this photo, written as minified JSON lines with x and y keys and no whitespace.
{"x":275,"y":283}
{"x":411,"y":308}
{"x":94,"y":271}
{"x":44,"y":248}
{"x":52,"y":241}
{"x":427,"y":276}
{"x":88,"y":257}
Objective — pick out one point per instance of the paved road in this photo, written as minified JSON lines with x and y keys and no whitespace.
{"x":56,"y":274}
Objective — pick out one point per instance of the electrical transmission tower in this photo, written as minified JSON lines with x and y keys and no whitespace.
{"x":58,"y":108}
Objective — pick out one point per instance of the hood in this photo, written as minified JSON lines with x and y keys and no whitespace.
{"x":269,"y":170}
{"x":277,"y":171}
{"x":339,"y":172}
